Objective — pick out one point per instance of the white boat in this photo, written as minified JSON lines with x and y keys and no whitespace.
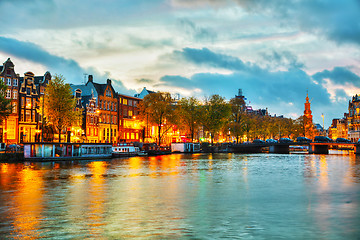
{"x":127,"y":150}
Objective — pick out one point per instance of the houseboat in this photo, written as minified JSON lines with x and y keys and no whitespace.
{"x":126,"y":150}
{"x":185,"y":147}
{"x":66,"y":151}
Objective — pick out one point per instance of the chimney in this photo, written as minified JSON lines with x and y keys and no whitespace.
{"x":90,"y":78}
{"x":108,"y":82}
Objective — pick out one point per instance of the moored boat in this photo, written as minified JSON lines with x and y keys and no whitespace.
{"x":126,"y":150}
{"x":66,"y":151}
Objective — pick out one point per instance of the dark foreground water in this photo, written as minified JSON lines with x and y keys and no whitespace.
{"x":200,"y":196}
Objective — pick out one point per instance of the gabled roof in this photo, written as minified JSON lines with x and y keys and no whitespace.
{"x":100,"y":88}
{"x":143,"y":93}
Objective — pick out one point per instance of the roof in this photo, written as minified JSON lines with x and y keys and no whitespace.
{"x":85,"y":90}
{"x":143,"y":93}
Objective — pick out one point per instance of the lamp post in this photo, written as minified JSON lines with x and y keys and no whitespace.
{"x":322,"y":115}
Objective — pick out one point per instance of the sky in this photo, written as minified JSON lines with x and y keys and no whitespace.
{"x":274,"y":50}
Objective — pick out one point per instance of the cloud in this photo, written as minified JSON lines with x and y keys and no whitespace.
{"x":69,"y":68}
{"x":339,"y":75}
{"x":208,"y":58}
{"x":336,"y":20}
{"x":197,"y":33}
{"x":62,"y":14}
{"x":144,"y":80}
{"x":149,"y":43}
{"x":275,"y":89}
{"x":286,"y":59}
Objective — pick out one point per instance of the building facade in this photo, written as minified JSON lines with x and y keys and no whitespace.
{"x":308,"y":119}
{"x":130,"y":128}
{"x":338,"y":129}
{"x":353,"y":118}
{"x":9,"y":131}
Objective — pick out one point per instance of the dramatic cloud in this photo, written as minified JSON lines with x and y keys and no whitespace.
{"x":70,"y":69}
{"x":336,"y":20}
{"x":273,"y":50}
{"x":340,"y":75}
{"x":281,"y":91}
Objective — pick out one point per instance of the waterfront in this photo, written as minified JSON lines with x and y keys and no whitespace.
{"x":199,"y":196}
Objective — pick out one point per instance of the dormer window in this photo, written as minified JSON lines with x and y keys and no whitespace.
{"x":78,"y":93}
{"x":108,"y":93}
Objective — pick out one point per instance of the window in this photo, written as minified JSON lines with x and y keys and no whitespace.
{"x":8,"y":93}
{"x":28,"y":116}
{"x":28,"y":91}
{"x":22,"y":101}
{"x":15,"y":95}
{"x":130,"y":113}
{"x":14,"y":107}
{"x":15,"y":82}
{"x":135,"y":103}
{"x":125,"y":102}
{"x":28,"y":102}
{"x":8,"y":81}
{"x":115,"y":107}
{"x":130,"y":102}
{"x":78,"y":93}
{"x":132,"y":136}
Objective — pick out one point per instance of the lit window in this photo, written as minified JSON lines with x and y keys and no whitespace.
{"x":15,"y":95}
{"x":8,"y":93}
{"x":125,"y":102}
{"x":14,"y":109}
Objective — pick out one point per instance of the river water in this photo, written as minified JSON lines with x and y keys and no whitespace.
{"x":199,"y":196}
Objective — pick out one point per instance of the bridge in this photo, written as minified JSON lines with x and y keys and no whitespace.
{"x":313,"y":147}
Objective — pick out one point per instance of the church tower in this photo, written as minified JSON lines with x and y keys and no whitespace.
{"x":308,"y":119}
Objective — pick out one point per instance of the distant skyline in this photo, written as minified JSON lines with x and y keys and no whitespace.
{"x":273,"y":50}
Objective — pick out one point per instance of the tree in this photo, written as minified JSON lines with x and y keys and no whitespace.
{"x":60,"y":105}
{"x":5,"y":104}
{"x":188,"y":113}
{"x":215,"y":114}
{"x":157,"y":109}
{"x":237,"y":124}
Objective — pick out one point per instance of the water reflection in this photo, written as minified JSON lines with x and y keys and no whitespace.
{"x":261,"y":196}
{"x":27,"y":203}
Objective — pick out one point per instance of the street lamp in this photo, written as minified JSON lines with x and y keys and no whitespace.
{"x":322,"y":115}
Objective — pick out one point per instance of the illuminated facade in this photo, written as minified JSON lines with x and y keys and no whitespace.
{"x":87,"y":102}
{"x":9,"y":131}
{"x":308,"y":119}
{"x":31,"y":87}
{"x":130,"y":128}
{"x":353,"y":118}
{"x":338,"y":129}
